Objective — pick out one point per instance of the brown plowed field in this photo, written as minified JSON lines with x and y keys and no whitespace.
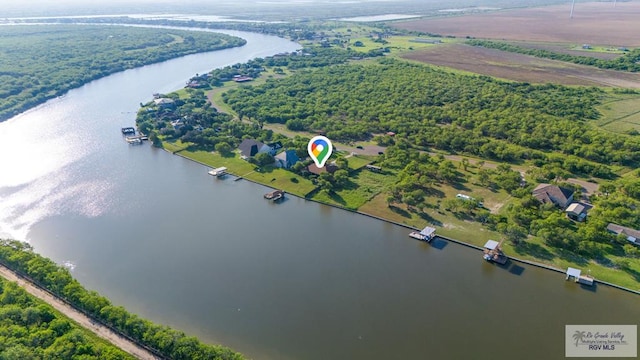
{"x":520,"y":67}
{"x":592,"y":23}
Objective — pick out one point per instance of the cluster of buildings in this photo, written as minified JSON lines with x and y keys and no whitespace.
{"x":284,"y":159}
{"x":577,"y":210}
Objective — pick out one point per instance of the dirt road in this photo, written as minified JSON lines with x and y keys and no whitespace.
{"x":77,"y":316}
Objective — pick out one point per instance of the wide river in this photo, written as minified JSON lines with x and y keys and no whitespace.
{"x":158,"y":235}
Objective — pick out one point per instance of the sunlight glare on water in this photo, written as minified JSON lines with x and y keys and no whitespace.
{"x":34,"y":180}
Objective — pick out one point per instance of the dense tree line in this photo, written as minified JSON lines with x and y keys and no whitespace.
{"x":626,"y":62}
{"x":434,"y":108}
{"x":205,"y":127}
{"x":38,"y":63}
{"x":31,"y":329}
{"x":171,"y":343}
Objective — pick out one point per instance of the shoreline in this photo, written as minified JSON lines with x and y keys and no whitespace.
{"x":451,"y":240}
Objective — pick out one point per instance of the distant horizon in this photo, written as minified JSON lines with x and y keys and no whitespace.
{"x":272,"y":9}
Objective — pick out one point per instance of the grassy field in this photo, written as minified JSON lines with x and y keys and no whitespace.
{"x":364,"y":185}
{"x":621,"y":114}
{"x":358,"y":162}
{"x":267,"y":175}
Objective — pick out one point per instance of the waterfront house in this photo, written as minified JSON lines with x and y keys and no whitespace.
{"x":242,"y":78}
{"x":286,"y":159}
{"x":554,"y":194}
{"x":632,"y":235}
{"x":576,"y":211}
{"x":330,"y":168}
{"x":274,"y":147}
{"x":164,"y":103}
{"x":177,"y":124}
{"x":251,"y":147}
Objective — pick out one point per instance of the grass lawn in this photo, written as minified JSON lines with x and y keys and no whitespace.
{"x":399,"y":44}
{"x":174,"y":146}
{"x":363,"y":187}
{"x":447,"y":223}
{"x":534,"y":249}
{"x":267,"y":175}
{"x":357,"y":162}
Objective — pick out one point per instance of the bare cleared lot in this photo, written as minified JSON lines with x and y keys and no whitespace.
{"x":592,"y":23}
{"x":518,"y":67}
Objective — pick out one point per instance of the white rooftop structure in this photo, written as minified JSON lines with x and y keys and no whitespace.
{"x":491,"y":244}
{"x":573,"y":272}
{"x":218,"y":171}
{"x":428,"y":231}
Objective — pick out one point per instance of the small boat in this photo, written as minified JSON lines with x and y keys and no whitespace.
{"x":274,"y":195}
{"x":133,"y":140}
{"x":128,"y":130}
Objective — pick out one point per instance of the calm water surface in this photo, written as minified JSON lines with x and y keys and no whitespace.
{"x":297,"y":280}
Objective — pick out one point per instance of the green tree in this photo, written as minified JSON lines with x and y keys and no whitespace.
{"x":224,"y":148}
{"x":341,"y":178}
{"x":263,"y":159}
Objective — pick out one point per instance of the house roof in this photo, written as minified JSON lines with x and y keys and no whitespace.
{"x":163,"y":101}
{"x":573,"y":272}
{"x":331,"y":168}
{"x":288,"y":156}
{"x":428,"y":231}
{"x":250,"y":147}
{"x":275,"y":145}
{"x":552,"y":193}
{"x":491,"y":244}
{"x":619,"y":229}
{"x":576,"y":208}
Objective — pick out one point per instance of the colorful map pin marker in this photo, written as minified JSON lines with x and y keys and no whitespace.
{"x":320,"y":149}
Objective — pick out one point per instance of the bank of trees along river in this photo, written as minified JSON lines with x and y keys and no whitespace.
{"x":20,"y":257}
{"x":31,"y":329}
{"x":38,"y":63}
{"x":543,"y":129}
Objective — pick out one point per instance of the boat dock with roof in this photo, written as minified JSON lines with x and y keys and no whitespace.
{"x":493,"y":252}
{"x":218,"y":172}
{"x":575,"y":275}
{"x":427,"y":234}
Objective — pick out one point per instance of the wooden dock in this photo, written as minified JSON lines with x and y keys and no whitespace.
{"x":575,"y":274}
{"x":274,"y":195}
{"x":218,"y":172}
{"x":493,"y":252}
{"x":427,"y":234}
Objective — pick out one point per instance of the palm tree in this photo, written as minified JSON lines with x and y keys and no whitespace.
{"x":578,"y":336}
